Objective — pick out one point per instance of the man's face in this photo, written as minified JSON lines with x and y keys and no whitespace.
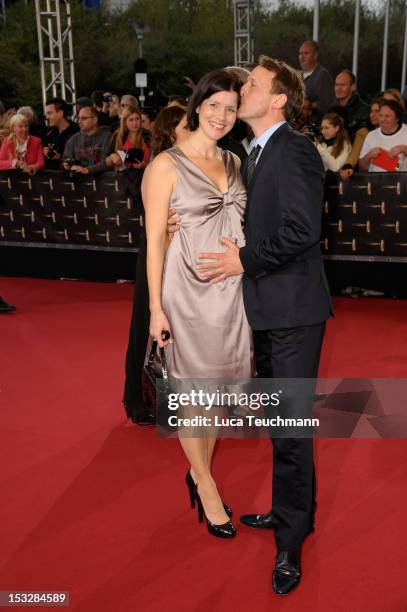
{"x":87,"y":122}
{"x":343,"y":86}
{"x":256,"y":94}
{"x":53,"y":116}
{"x":307,"y":56}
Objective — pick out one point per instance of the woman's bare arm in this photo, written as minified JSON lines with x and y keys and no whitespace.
{"x":156,"y":189}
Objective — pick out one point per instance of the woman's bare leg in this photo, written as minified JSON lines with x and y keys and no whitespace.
{"x":199,"y":453}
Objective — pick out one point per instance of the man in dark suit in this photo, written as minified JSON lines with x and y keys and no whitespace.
{"x":286,"y":294}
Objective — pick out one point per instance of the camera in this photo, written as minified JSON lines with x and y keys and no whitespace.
{"x":134,"y":156}
{"x":314,"y":132}
{"x":51,"y":151}
{"x":71,"y":161}
{"x":107,"y":98}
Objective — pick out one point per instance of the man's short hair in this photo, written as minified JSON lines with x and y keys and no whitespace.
{"x":60,"y":105}
{"x":84,"y":102}
{"x":92,"y":110}
{"x":313,"y":44}
{"x":286,"y":81}
{"x":350,"y":74}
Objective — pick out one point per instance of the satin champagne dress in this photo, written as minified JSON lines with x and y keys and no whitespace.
{"x":212,"y":338}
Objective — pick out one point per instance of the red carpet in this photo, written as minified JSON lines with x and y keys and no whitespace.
{"x":97,"y":507}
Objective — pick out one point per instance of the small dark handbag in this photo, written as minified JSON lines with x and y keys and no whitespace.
{"x":154,"y":375}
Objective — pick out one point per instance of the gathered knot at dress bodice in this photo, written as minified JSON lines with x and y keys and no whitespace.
{"x":199,"y":202}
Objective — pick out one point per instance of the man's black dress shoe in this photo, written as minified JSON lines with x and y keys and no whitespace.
{"x":287,"y":571}
{"x":258,"y":521}
{"x":6,"y":308}
{"x":263,"y":521}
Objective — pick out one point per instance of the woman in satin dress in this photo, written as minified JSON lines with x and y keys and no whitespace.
{"x":210,"y":336}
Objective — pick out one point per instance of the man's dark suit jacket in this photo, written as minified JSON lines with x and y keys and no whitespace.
{"x":284,"y":284}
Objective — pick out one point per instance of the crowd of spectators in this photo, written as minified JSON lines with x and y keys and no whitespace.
{"x":112,"y":133}
{"x":108,"y":132}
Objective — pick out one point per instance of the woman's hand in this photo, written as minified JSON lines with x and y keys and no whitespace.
{"x":26,"y":168}
{"x":79,"y":169}
{"x":30,"y":169}
{"x":158,"y":324}
{"x":346,"y":174}
{"x":397,"y":150}
{"x":113,"y":160}
{"x":375,"y":152}
{"x":138,"y":165}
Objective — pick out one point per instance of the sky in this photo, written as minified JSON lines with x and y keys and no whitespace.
{"x":373,"y":4}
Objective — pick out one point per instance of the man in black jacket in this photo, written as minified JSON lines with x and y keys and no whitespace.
{"x":59,"y":131}
{"x":355,"y":113}
{"x":285,"y":289}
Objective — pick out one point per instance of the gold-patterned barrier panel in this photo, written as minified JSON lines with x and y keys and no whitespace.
{"x":52,"y":209}
{"x":366,"y":217}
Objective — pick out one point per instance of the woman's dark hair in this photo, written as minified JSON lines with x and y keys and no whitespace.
{"x":209,"y":84}
{"x":395,"y":107}
{"x":164,"y":128}
{"x":342,"y":136}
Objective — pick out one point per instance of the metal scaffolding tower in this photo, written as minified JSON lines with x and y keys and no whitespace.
{"x":244,"y":31}
{"x":54,"y":27}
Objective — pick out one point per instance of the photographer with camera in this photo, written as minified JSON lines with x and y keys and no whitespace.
{"x":333,"y":145}
{"x":130,"y":148}
{"x":111,"y":107}
{"x":101,"y":103}
{"x":59,"y":131}
{"x":87,"y":150}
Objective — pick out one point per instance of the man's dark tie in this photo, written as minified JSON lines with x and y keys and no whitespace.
{"x":251,"y":163}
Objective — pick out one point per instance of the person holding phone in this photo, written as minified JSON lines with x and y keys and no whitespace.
{"x":130,"y":148}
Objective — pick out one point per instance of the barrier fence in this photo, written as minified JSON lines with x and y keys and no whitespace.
{"x":53,"y":210}
{"x":364,"y":219}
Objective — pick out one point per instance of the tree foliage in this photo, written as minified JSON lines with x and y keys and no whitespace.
{"x":190,"y":37}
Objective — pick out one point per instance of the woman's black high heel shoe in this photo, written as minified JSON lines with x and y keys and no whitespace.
{"x":226,"y":530}
{"x":192,"y":489}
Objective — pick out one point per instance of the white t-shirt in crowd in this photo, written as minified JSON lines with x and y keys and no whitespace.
{"x":376,"y":138}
